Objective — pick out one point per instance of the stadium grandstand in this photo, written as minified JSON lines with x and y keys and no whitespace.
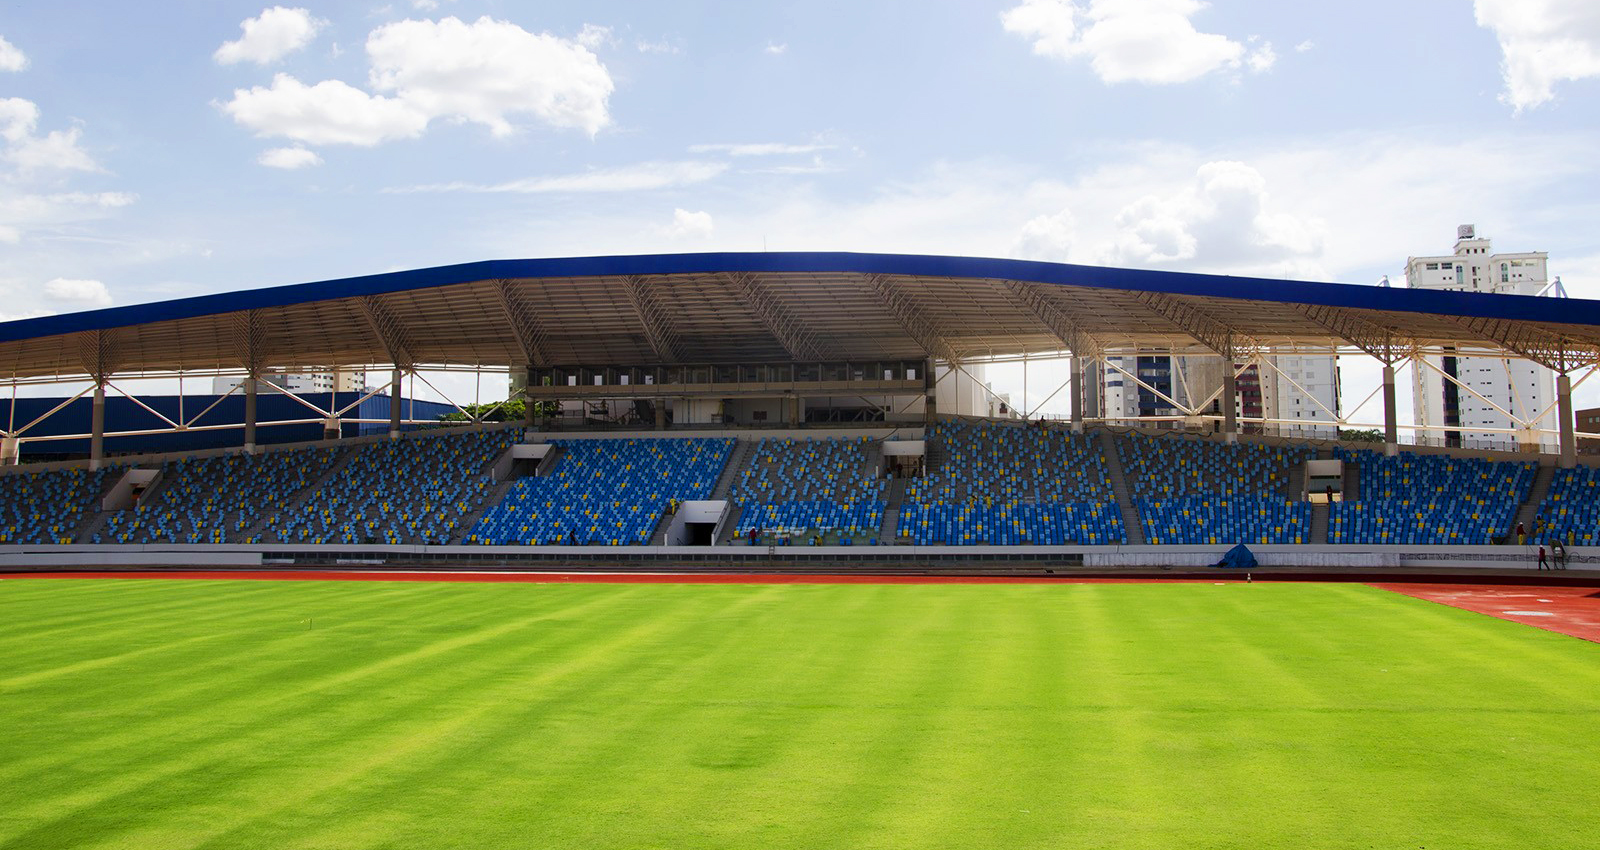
{"x":774,"y":406}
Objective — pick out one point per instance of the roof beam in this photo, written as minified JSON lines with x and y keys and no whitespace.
{"x":1213,"y":333}
{"x":1552,"y":351}
{"x":1377,"y":340}
{"x":97,"y":353}
{"x":911,"y":318}
{"x":1035,"y":299}
{"x":658,"y":329}
{"x":523,"y":321}
{"x":389,"y":330}
{"x":794,"y":335}
{"x":250,"y":338}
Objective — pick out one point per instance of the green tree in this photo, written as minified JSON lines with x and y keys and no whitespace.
{"x":1368,"y":435}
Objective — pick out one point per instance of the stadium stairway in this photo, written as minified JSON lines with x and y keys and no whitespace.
{"x":1131,"y":523}
{"x":1529,"y":509}
{"x":743,"y":450}
{"x":470,"y":519}
{"x":1319,"y":523}
{"x":890,"y":533}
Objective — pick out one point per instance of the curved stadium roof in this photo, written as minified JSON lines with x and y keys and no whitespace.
{"x":748,"y":307}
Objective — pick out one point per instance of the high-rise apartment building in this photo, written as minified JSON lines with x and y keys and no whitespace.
{"x":1485,"y":389}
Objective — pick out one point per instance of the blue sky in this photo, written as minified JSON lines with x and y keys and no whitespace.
{"x":149,"y":151}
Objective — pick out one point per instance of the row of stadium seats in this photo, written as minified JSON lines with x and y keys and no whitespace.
{"x":1011,"y":484}
{"x":49,"y":507}
{"x":1571,"y":507}
{"x":604,"y":492}
{"x":1426,"y":500}
{"x":811,"y":488}
{"x":217,"y":499}
{"x":1190,"y":491}
{"x":413,"y":490}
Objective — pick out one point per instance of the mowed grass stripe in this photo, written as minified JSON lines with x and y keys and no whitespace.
{"x":450,"y":715}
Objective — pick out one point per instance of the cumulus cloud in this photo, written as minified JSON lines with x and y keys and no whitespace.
{"x":773,"y":49}
{"x":330,"y":112}
{"x":289,"y":159}
{"x":691,"y":224}
{"x":1221,"y":220}
{"x":1304,"y":46}
{"x":485,"y":72}
{"x":1047,"y":237}
{"x":11,"y":58}
{"x":1542,"y":42}
{"x":594,"y":35}
{"x":1261,"y":59}
{"x":270,"y":36}
{"x":626,"y":178}
{"x":1146,"y":41}
{"x":57,"y":150}
{"x":84,"y":294}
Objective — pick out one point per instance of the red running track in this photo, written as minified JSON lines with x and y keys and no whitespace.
{"x":1573,"y":611}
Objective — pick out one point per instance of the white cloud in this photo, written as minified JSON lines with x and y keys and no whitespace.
{"x":425,"y":5}
{"x":57,"y":150}
{"x":1147,"y":41}
{"x":1222,"y":221}
{"x":773,"y":49}
{"x":270,"y":36}
{"x":691,"y":224}
{"x":18,"y":117}
{"x":1047,"y":237}
{"x":289,"y":159}
{"x":485,"y":72}
{"x":86,"y":294}
{"x":1304,"y":46}
{"x":627,"y":178}
{"x":758,"y":149}
{"x":1261,"y":59}
{"x":1543,"y":42}
{"x":660,"y":46}
{"x":11,"y":58}
{"x":330,"y":112}
{"x":594,"y":35}
{"x":10,"y":235}
{"x":488,"y":70}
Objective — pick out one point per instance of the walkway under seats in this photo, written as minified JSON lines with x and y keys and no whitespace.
{"x":406,"y":491}
{"x":49,"y":507}
{"x":1571,"y":507}
{"x":1003,"y":484}
{"x":1191,"y":491}
{"x":217,"y":499}
{"x":812,"y":488}
{"x":1425,"y":500}
{"x":604,"y":492}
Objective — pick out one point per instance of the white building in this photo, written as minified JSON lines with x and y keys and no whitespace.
{"x":300,"y":383}
{"x":1261,"y":392}
{"x":1519,"y":387}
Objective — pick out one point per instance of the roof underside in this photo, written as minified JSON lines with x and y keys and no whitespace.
{"x":716,"y":308}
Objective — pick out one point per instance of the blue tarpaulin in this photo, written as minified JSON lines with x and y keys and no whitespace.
{"x":1239,"y":558}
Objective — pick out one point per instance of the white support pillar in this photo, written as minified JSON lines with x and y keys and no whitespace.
{"x":332,"y":428}
{"x":1230,"y":400}
{"x":10,"y":451}
{"x":1569,"y":444}
{"x":97,"y":426}
{"x":250,"y":414}
{"x":1077,"y":397}
{"x":1391,"y":423}
{"x":396,"y":394}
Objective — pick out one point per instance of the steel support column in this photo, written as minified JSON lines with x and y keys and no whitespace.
{"x":1230,"y":400}
{"x":1391,"y":422}
{"x":930,"y":405}
{"x":97,"y":427}
{"x":250,"y":414}
{"x":396,"y":394}
{"x":1077,"y":397}
{"x":1568,"y":441}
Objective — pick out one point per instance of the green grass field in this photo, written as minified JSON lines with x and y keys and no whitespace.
{"x":178,"y":714}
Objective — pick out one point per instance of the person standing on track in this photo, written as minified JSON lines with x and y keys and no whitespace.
{"x":1543,"y":565}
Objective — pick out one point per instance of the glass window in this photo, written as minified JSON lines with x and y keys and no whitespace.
{"x":1505,"y":271}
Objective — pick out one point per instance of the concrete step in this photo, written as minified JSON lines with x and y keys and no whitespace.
{"x":471,"y":517}
{"x":738,"y":459}
{"x":1119,"y":486}
{"x":1319,"y":523}
{"x":1528,"y":511}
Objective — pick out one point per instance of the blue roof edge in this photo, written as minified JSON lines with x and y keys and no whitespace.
{"x":1438,"y":302}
